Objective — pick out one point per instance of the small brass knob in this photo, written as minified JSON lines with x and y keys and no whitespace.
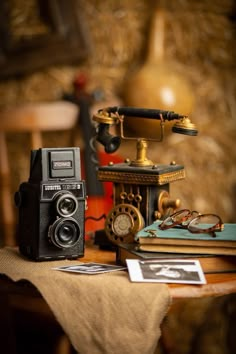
{"x":170,"y":203}
{"x":165,"y":203}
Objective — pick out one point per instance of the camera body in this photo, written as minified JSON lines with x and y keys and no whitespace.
{"x":52,"y":206}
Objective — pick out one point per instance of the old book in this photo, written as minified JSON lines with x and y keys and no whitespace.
{"x":209,"y":263}
{"x":175,"y":248}
{"x":176,"y":240}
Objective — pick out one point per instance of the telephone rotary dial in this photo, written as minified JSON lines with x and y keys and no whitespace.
{"x":123,"y":221}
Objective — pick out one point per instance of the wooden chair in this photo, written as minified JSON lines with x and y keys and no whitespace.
{"x":33,"y":119}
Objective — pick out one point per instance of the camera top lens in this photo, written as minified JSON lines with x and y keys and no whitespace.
{"x":66,"y":204}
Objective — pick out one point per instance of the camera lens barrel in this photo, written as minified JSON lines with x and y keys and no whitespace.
{"x":64,"y":232}
{"x":66,"y":204}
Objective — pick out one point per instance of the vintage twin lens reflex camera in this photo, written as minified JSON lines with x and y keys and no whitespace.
{"x":52,"y":206}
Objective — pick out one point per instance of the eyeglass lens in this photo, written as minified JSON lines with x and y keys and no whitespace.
{"x":182,"y":217}
{"x":204,"y":223}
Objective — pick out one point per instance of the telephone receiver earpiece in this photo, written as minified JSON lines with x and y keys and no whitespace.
{"x":184,"y":126}
{"x":110,"y":142}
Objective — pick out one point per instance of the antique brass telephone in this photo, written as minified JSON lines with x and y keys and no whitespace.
{"x":140,"y":187}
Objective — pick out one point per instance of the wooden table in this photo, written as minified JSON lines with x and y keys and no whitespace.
{"x":24,"y":295}
{"x":191,"y":296}
{"x":217,"y":283}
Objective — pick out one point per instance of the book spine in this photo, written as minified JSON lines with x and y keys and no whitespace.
{"x":188,"y":249}
{"x":209,"y":264}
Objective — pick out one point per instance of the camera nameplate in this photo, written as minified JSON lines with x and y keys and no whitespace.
{"x":48,"y":189}
{"x":62,"y":163}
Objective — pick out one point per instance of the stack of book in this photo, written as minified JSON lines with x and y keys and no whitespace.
{"x":216,"y":254}
{"x":177,"y":240}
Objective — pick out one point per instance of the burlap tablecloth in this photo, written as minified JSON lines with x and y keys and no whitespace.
{"x":103,"y":313}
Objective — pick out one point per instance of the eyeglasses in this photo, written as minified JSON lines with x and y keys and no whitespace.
{"x":195,"y":222}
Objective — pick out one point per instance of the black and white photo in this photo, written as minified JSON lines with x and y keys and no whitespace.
{"x":166,"y":271}
{"x":90,"y":268}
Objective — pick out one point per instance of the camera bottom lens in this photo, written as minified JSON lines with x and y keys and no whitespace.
{"x":64,"y":232}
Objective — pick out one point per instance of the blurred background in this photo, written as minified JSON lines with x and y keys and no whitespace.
{"x":176,"y":55}
{"x":170,"y":54}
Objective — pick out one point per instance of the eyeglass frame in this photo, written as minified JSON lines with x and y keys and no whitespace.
{"x":216,"y":228}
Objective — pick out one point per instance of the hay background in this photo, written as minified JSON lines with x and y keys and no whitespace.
{"x":200,"y":41}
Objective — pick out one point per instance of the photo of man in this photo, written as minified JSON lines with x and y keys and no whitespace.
{"x":166,"y":271}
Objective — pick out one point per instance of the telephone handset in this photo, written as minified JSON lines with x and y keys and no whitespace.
{"x":115,"y":116}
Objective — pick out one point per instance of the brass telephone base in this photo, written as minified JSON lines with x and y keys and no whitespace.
{"x":145,"y":175}
{"x":135,"y":195}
